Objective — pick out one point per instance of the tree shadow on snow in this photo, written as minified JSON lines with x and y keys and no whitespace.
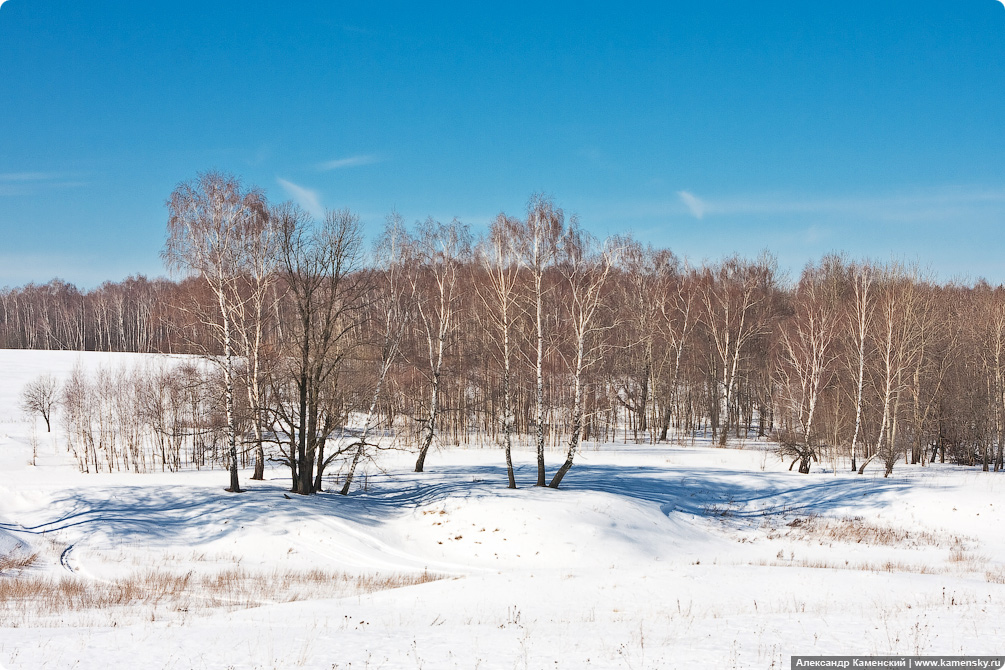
{"x":734,"y":493}
{"x":163,"y":513}
{"x":691,"y":490}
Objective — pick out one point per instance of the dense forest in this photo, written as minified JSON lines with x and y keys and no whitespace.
{"x":533,"y":334}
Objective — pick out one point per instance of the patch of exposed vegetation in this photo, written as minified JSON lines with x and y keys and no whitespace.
{"x":157,"y":594}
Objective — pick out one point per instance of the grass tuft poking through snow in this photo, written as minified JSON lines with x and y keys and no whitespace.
{"x":857,"y":530}
{"x":146,"y":596}
{"x":16,"y":562}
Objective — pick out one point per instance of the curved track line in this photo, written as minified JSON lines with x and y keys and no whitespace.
{"x":64,"y":559}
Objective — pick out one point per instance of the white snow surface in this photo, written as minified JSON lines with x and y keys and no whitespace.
{"x":649,"y":556}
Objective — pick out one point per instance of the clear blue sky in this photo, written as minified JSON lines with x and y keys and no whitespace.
{"x":876,"y":128}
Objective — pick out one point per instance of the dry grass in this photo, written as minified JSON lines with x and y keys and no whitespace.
{"x":855,"y":530}
{"x":995,"y":574}
{"x":882,"y":566}
{"x":966,"y":561}
{"x":151,"y":595}
{"x":16,"y":562}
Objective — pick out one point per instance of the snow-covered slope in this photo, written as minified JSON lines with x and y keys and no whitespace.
{"x":649,"y":557}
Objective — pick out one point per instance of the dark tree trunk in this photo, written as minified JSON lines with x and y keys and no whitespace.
{"x":304,"y":485}
{"x":292,"y":456}
{"x":665,"y":428}
{"x":321,"y":466}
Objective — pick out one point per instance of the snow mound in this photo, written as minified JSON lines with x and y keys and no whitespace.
{"x":538,"y":529}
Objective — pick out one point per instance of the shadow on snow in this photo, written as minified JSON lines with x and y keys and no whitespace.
{"x":198,"y":513}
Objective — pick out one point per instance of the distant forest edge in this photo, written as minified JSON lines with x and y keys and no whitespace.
{"x":540,"y":333}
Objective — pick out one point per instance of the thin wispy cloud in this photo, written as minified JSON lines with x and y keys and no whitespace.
{"x":933,"y":204}
{"x":351,"y":161}
{"x":304,"y":197}
{"x":31,"y":183}
{"x":30,"y":176}
{"x":694,"y":204}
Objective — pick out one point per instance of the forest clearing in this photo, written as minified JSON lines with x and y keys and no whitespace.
{"x":649,"y":556}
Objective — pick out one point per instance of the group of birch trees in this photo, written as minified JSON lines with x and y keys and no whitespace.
{"x":535,"y":335}
{"x":143,"y":419}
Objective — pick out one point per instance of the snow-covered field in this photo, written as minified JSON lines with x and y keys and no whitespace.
{"x":649,"y":557}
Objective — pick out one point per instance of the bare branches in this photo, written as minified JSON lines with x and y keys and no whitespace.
{"x":541,"y":334}
{"x":735,"y":297}
{"x":809,"y":355}
{"x":321,"y":267}
{"x":216,"y":231}
{"x":40,"y":396}
{"x":441,"y":251}
{"x":537,"y":241}
{"x":585,"y":269}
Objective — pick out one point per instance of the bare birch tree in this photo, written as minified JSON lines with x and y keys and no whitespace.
{"x":441,"y":251}
{"x":251,"y":315}
{"x":538,"y":240}
{"x":809,"y":354}
{"x":734,"y":294}
{"x":501,"y":299}
{"x":212,"y":223}
{"x":677,"y":301}
{"x":863,"y":306}
{"x":897,"y":347}
{"x":585,"y":270}
{"x":392,"y":296}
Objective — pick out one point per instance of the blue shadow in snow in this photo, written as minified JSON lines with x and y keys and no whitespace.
{"x":198,"y":513}
{"x":714,"y":492}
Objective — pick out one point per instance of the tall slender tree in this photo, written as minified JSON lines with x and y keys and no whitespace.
{"x":585,"y":270}
{"x":390,"y":298}
{"x":538,"y":240}
{"x":863,"y":306}
{"x":442,"y":250}
{"x":213,"y":223}
{"x":502,"y":300}
{"x":809,"y":353}
{"x":735,"y":297}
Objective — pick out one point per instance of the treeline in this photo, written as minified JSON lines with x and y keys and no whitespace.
{"x":137,"y":314}
{"x":538,"y":334}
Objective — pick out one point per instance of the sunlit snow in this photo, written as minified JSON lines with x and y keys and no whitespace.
{"x":650,"y":556}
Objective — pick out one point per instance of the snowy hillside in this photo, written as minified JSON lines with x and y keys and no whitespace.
{"x":648,"y":557}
